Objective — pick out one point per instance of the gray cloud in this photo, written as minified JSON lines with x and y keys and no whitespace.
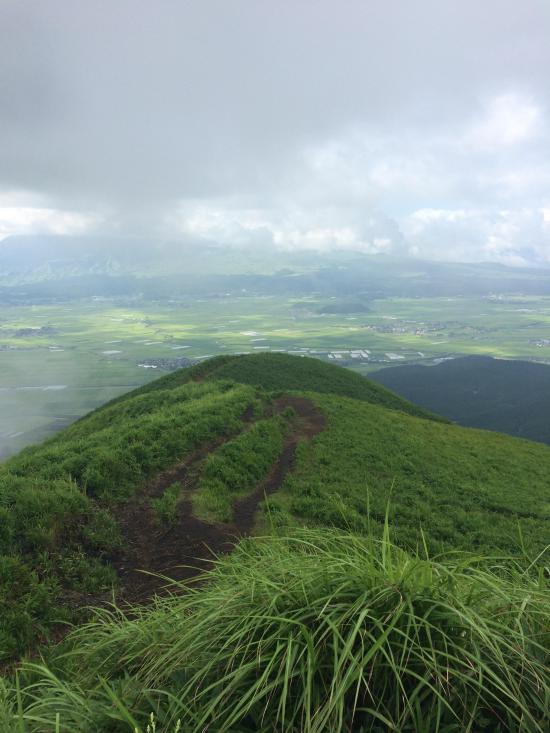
{"x":302,"y":122}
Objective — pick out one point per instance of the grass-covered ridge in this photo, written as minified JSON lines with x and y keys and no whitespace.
{"x":324,"y":625}
{"x":56,"y":524}
{"x":463,"y":488}
{"x":281,"y":372}
{"x":319,"y":632}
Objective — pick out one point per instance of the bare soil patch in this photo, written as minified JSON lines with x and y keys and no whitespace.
{"x":187,"y":547}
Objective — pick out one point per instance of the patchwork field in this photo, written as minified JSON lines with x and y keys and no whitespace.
{"x":59,"y":361}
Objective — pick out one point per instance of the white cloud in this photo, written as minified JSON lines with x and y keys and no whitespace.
{"x":17,"y":217}
{"x":310,"y":124}
{"x":512,"y":237}
{"x":291,"y":226}
{"x":508,"y":119}
{"x":331,"y":238}
{"x":468,"y":193}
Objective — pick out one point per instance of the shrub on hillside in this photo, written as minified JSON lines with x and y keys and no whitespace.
{"x":26,"y":605}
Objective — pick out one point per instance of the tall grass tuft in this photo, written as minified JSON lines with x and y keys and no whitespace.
{"x":319,"y":632}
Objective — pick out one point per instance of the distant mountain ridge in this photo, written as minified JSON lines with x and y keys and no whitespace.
{"x":479,"y":391}
{"x":127,"y":263}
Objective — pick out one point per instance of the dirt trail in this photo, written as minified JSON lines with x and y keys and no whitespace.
{"x":188,"y":546}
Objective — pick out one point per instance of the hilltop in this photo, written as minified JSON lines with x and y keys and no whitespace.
{"x":162,"y":477}
{"x":282,"y":372}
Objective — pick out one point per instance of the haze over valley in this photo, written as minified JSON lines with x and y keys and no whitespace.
{"x":274,"y":366}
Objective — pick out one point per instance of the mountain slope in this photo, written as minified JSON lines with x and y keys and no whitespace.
{"x":202,"y":446}
{"x":275,"y":372}
{"x":467,"y":489}
{"x":478,"y":391}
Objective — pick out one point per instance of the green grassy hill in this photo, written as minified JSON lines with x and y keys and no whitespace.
{"x":282,"y":372}
{"x":466,"y":489}
{"x":154,"y":478}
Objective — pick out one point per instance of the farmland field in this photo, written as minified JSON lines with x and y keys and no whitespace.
{"x":58,"y":361}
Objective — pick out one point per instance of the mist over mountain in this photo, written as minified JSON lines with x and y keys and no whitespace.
{"x":55,"y":256}
{"x":58,"y":266}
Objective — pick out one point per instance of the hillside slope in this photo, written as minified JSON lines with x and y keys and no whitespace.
{"x":192,"y":455}
{"x":466,"y":489}
{"x":282,"y":372}
{"x":478,"y":391}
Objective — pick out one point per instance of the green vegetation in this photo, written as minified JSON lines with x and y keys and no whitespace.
{"x":56,"y":528}
{"x":234,"y":469}
{"x":95,"y":346}
{"x":281,"y":372}
{"x":319,"y":632}
{"x":22,"y":595}
{"x":335,"y":308}
{"x":323,"y":625}
{"x":110,"y":452}
{"x":480,"y":392}
{"x":165,"y":506}
{"x":466,"y":489}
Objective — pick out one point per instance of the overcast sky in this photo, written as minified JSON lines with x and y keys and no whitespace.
{"x":418,"y":126}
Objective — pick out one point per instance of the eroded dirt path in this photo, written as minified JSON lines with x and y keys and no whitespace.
{"x":186,"y":548}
